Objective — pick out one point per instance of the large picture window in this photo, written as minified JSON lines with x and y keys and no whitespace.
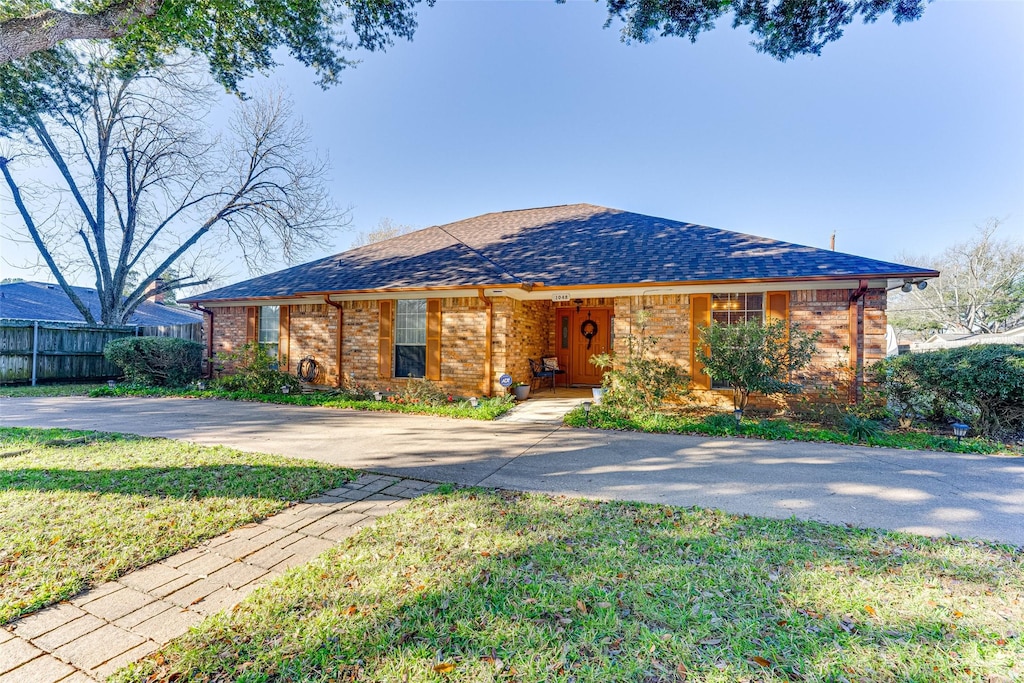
{"x":411,"y":338}
{"x":269,"y":335}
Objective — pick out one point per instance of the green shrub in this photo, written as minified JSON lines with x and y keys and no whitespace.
{"x":774,"y":429}
{"x":156,"y":361}
{"x":255,"y":371}
{"x":752,"y":356}
{"x":420,"y":391}
{"x":861,"y":428}
{"x":639,"y":383}
{"x":981,"y":384}
{"x":720,"y":424}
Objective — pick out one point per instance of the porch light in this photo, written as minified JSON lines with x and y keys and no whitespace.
{"x":922,"y":284}
{"x":960,"y":430}
{"x":738,"y":414}
{"x":474,"y":402}
{"x":586,"y":411}
{"x":285,"y":388}
{"x":907,"y":286}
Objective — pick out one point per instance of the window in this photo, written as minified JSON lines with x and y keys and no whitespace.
{"x":729,"y":309}
{"x":411,"y":338}
{"x":737,"y":308}
{"x":269,"y":329}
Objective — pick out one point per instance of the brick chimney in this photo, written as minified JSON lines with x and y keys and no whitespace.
{"x":155,"y":298}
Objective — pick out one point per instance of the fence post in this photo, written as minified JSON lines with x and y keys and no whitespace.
{"x":35,"y":350}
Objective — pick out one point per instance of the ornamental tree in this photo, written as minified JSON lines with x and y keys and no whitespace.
{"x":756,"y":357}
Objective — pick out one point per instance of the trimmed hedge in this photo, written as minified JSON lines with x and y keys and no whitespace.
{"x":156,"y":361}
{"x":982,"y":384}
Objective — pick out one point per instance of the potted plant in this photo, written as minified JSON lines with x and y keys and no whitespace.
{"x":521,"y":390}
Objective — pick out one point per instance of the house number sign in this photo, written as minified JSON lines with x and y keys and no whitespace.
{"x":561,"y":296}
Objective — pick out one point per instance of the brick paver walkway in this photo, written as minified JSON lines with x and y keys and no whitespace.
{"x":90,"y":636}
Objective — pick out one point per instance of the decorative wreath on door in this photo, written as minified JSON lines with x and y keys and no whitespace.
{"x":589,"y":330}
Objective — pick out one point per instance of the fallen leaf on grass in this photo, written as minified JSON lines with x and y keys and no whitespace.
{"x":581,"y":607}
{"x":760,"y":661}
{"x":870,"y":610}
{"x":681,"y":672}
{"x":444,"y":667}
{"x":711,"y":641}
{"x":352,"y":609}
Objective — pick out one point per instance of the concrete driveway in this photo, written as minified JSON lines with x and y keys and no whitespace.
{"x":923,"y":492}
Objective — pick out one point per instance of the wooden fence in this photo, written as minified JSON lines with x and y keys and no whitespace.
{"x":34,"y":351}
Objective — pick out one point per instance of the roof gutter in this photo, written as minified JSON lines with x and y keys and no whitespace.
{"x":488,"y":332}
{"x":341,"y":333}
{"x":209,"y":339}
{"x":856,"y":317}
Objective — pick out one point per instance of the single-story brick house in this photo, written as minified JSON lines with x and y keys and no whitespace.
{"x":464,"y":303}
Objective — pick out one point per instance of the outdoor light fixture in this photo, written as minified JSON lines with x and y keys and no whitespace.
{"x":960,"y":430}
{"x":738,"y":414}
{"x":908,"y":285}
{"x":111,"y":383}
{"x":201,"y":386}
{"x":285,"y":388}
{"x":474,"y":402}
{"x":377,"y":396}
{"x":586,"y":411}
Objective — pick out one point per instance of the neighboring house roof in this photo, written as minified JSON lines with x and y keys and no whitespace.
{"x":44,"y":301}
{"x":560,"y":246}
{"x":949,"y":341}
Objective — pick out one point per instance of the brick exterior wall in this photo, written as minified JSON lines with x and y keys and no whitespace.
{"x":313,"y":332}
{"x":522,"y":330}
{"x":526,"y":329}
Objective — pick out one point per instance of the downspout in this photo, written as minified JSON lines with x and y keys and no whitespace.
{"x":341,"y":332}
{"x":857,"y":339}
{"x":209,"y":340}
{"x":488,"y":381}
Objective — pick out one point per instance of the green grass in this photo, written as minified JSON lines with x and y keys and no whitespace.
{"x":497,"y":586}
{"x":79,"y":508}
{"x":723,"y":424}
{"x":489,"y":408}
{"x":45,"y":390}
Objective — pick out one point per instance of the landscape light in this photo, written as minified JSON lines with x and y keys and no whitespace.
{"x":474,"y":402}
{"x":377,"y":396}
{"x":586,"y":411}
{"x":738,"y":414}
{"x":960,"y":430}
{"x":285,"y":388}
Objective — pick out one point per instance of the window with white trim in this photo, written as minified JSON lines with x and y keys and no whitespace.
{"x":411,"y":338}
{"x":269,"y":334}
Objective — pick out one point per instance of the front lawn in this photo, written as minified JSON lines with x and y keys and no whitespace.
{"x":488,"y":408}
{"x":49,"y":390}
{"x":723,"y":424}
{"x":499,"y":586}
{"x":80,"y":508}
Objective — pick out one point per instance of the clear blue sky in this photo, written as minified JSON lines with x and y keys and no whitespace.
{"x":897,"y":137}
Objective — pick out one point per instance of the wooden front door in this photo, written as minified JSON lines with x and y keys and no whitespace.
{"x":581,"y":335}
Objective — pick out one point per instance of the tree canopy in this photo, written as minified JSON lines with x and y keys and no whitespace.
{"x":980,"y":287}
{"x":238,"y":37}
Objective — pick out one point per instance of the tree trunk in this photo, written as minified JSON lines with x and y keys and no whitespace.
{"x":21,"y":36}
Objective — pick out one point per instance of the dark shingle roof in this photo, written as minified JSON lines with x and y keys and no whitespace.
{"x":576,"y":244}
{"x":43,"y":301}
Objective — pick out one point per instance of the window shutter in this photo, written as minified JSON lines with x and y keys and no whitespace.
{"x":283,"y":336}
{"x":252,"y":321}
{"x":700,"y":316}
{"x":385,"y":343}
{"x":433,"y":369}
{"x":778,"y":306}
